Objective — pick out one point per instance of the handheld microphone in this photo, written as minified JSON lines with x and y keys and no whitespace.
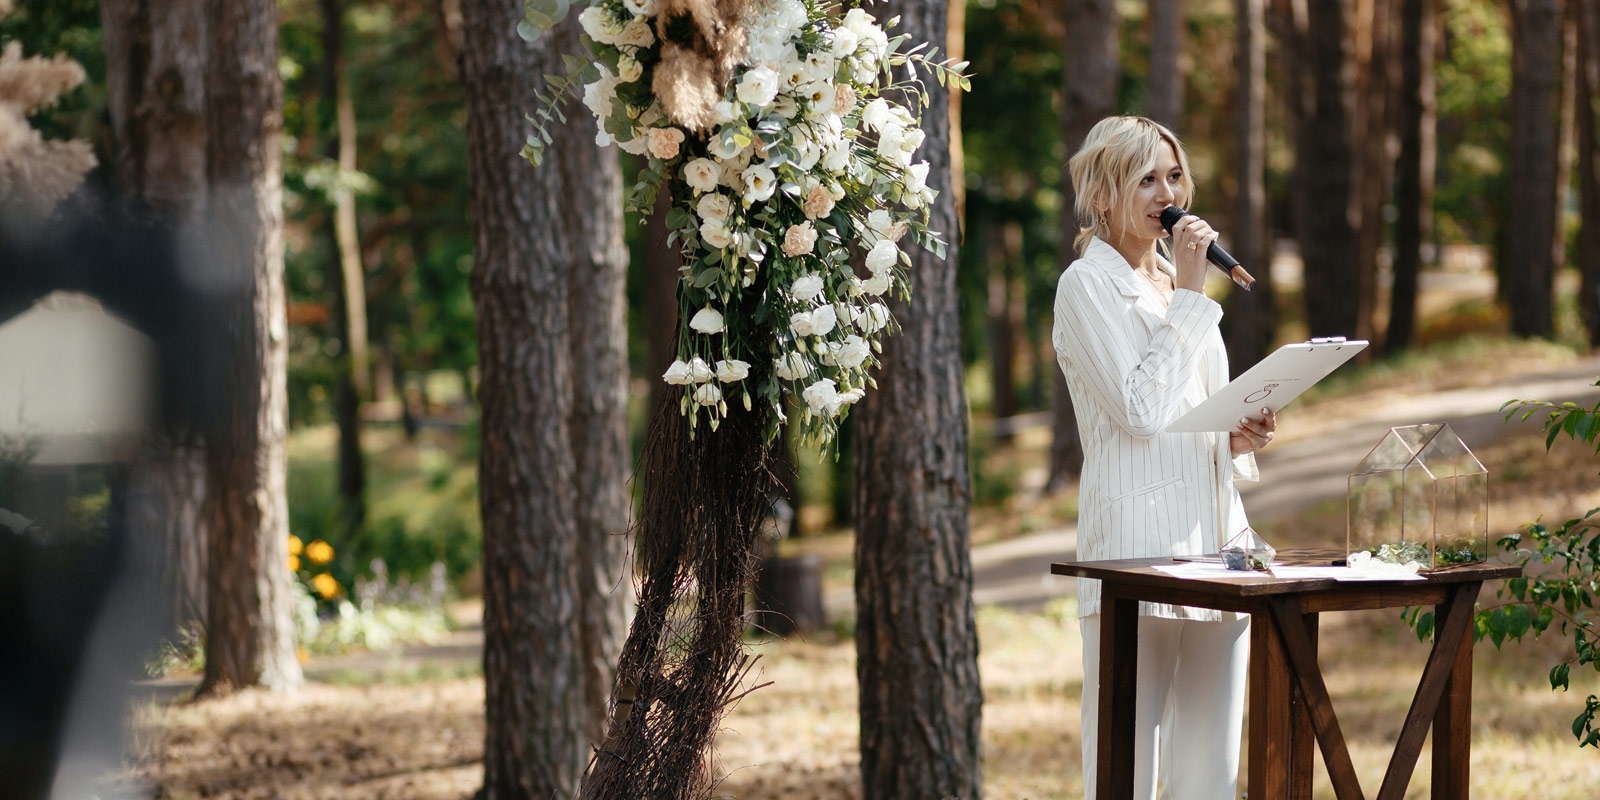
{"x":1218,"y":257}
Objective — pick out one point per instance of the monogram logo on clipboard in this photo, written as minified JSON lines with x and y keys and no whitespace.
{"x":1261,"y":394}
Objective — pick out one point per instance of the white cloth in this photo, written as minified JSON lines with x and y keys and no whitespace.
{"x":1131,"y":368}
{"x":1195,"y":673}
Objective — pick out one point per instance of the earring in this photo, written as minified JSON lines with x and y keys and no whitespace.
{"x":1102,"y":219}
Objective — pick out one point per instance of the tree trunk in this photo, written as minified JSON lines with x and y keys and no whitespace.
{"x":249,"y":632}
{"x":1414,"y":189}
{"x":1333,"y":290}
{"x":1005,"y":245}
{"x":1589,"y":168}
{"x":1373,"y":167}
{"x":345,"y":275}
{"x":597,"y":275}
{"x":1088,"y":94}
{"x":532,"y":663}
{"x":1169,"y":28}
{"x":156,"y":72}
{"x":1531,"y":216}
{"x":1253,"y":315}
{"x":916,"y":638}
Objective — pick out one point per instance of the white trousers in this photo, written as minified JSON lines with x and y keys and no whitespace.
{"x":1191,"y":701}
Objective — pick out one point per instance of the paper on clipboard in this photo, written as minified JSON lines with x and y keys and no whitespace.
{"x":1271,"y":383}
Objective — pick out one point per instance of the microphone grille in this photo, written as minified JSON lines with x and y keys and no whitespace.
{"x":1170,"y":216}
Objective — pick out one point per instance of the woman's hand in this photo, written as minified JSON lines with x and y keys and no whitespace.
{"x":1252,"y":435}
{"x":1190,"y":238}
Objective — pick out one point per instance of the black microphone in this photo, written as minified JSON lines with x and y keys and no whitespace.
{"x":1219,"y":257}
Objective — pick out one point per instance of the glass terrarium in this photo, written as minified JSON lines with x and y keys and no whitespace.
{"x":1420,"y":496}
{"x":1247,"y":551}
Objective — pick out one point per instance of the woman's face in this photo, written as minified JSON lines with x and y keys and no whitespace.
{"x":1140,"y":219}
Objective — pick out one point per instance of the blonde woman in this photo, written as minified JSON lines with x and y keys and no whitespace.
{"x":1137,"y":339}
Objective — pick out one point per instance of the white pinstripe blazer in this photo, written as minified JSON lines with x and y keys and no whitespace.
{"x":1132,"y":367}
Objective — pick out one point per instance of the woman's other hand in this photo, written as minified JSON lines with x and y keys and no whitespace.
{"x":1252,"y":435}
{"x":1190,"y":238}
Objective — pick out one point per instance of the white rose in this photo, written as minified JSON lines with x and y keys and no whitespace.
{"x":791,"y":367}
{"x":858,"y":21}
{"x":823,"y":320}
{"x":664,"y":142}
{"x":877,"y":284}
{"x":701,"y":174}
{"x":917,"y":177}
{"x":637,"y":34}
{"x":759,"y":184}
{"x":758,"y":87}
{"x":640,"y":8}
{"x":845,"y":42}
{"x":628,"y":68}
{"x":717,"y":236}
{"x":591,"y":20}
{"x":708,"y":395}
{"x":732,"y":370}
{"x":822,"y":397}
{"x":678,"y":374}
{"x":715,"y":208}
{"x":874,"y":319}
{"x":806,"y":287}
{"x":850,"y":353}
{"x":881,"y":257}
{"x":876,"y":114}
{"x":837,"y":159}
{"x":699,"y":372}
{"x":707,"y":320}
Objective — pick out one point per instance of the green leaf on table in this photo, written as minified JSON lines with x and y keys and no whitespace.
{"x":1497,"y":627}
{"x":1518,"y":620}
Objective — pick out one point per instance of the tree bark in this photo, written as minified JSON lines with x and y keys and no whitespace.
{"x":345,"y":275}
{"x":1005,"y":245}
{"x":597,"y":264}
{"x":1415,"y":170}
{"x":1169,"y":27}
{"x":1334,"y":298}
{"x":533,"y":672}
{"x":1253,"y":315}
{"x":249,"y":633}
{"x":1589,"y":168}
{"x":1372,"y":117}
{"x":1531,"y":215}
{"x":155,"y":75}
{"x":916,"y":638}
{"x":1088,"y":94}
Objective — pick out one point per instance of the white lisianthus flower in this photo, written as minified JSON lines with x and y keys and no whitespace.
{"x":818,"y":96}
{"x":637,"y":144}
{"x":876,"y":114}
{"x":806,"y":287}
{"x":874,"y":318}
{"x":598,"y":96}
{"x":786,"y":106}
{"x":628,"y":68}
{"x":791,"y":367}
{"x":664,"y":142}
{"x":715,"y":208}
{"x":602,"y":139}
{"x":640,"y":8}
{"x":599,"y":25}
{"x":850,"y":353}
{"x":701,"y":174}
{"x":637,"y":34}
{"x":822,"y":320}
{"x":877,"y":284}
{"x":877,"y":227}
{"x":707,"y":320}
{"x":717,"y":236}
{"x":911,"y":138}
{"x":732,"y":370}
{"x":822,"y":397}
{"x":845,"y":42}
{"x":858,"y":21}
{"x":759,"y":184}
{"x":810,"y":153}
{"x":820,"y":66}
{"x":699,"y":371}
{"x":793,"y":71}
{"x":882,"y":257}
{"x":678,"y":374}
{"x":917,"y":177}
{"x":892,"y":144}
{"x":758,"y":87}
{"x":801,"y":240}
{"x":836,"y":160}
{"x":708,"y":395}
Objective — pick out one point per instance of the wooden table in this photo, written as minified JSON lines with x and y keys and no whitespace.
{"x":1288,"y":698}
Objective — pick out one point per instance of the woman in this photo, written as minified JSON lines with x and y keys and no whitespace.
{"x":1138,"y":341}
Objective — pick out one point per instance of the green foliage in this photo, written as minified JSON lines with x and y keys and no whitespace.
{"x":1561,"y":575}
{"x":1474,"y":82}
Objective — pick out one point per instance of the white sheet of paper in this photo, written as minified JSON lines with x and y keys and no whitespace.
{"x":1200,"y":571}
{"x":1338,"y":574}
{"x":1272,"y":382}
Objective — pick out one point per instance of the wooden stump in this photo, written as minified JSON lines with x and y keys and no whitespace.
{"x":789,"y":594}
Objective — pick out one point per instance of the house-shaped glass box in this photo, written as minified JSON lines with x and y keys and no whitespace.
{"x":1420,"y":495}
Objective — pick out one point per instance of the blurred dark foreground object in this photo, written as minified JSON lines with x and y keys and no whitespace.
{"x":106,"y":315}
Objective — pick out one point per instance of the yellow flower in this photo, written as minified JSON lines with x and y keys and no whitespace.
{"x":301,"y":655}
{"x":325,"y":585}
{"x":294,"y":563}
{"x":319,"y":552}
{"x":294,"y":545}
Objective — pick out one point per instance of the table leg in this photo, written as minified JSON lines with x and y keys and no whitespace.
{"x":1119,"y":671}
{"x":1452,"y":722}
{"x":1303,"y":740}
{"x":1271,"y":727}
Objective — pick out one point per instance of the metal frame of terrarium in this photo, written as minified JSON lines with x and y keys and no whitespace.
{"x":1406,"y":450}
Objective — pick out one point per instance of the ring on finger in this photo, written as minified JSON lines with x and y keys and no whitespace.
{"x":1194,"y":246}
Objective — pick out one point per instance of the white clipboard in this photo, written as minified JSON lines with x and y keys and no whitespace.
{"x":1271,"y":383}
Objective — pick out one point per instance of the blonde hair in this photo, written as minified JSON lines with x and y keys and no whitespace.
{"x":1118,"y":152}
